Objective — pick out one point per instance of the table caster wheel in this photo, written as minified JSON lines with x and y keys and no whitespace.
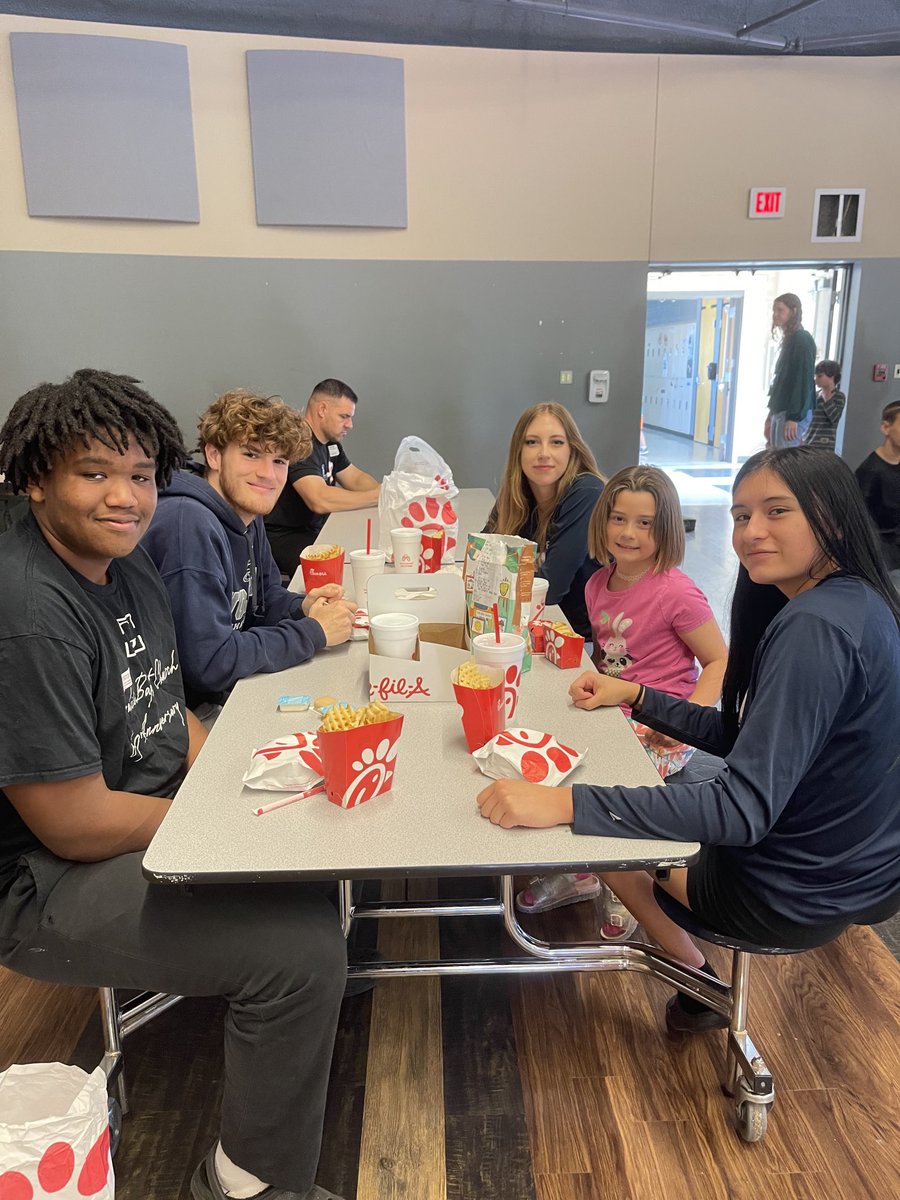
{"x":752,"y":1120}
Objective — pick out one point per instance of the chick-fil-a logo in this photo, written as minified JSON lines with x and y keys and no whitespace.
{"x":402,"y":688}
{"x":56,"y":1169}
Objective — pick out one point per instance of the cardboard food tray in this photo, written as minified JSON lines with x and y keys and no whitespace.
{"x":439,"y":602}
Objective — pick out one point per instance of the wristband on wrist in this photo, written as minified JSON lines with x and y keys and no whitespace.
{"x":638,"y":700}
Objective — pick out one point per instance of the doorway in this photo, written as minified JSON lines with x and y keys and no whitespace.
{"x":709,"y":358}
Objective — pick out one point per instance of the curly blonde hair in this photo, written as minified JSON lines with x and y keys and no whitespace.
{"x":515,"y":499}
{"x":251,"y":420}
{"x":668,"y":524}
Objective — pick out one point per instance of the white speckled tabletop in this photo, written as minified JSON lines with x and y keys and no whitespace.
{"x":427,"y":825}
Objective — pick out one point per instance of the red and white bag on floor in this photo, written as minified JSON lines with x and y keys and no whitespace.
{"x":54,"y":1133}
{"x":418,"y":494}
{"x":527,"y":754}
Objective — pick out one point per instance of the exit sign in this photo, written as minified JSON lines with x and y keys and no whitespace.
{"x":767,"y":202}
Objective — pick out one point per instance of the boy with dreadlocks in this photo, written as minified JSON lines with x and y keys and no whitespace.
{"x":96,"y":744}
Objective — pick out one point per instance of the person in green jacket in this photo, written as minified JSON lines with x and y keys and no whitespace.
{"x":792,"y":396}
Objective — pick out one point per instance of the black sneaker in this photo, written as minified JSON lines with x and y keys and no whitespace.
{"x":679,"y":1021}
{"x":205,"y":1186}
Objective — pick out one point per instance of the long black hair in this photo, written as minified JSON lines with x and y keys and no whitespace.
{"x":832,"y":503}
{"x":54,"y":418}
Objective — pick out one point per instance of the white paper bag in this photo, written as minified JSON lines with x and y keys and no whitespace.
{"x":418,"y":494}
{"x":54,"y":1132}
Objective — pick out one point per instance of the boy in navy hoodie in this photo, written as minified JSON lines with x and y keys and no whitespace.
{"x":233,"y":617}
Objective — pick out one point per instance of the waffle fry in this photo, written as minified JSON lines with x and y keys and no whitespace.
{"x":564,"y":629}
{"x":344,"y":716}
{"x":375,"y":713}
{"x":339,"y":716}
{"x":470,"y":676}
{"x":319,"y":553}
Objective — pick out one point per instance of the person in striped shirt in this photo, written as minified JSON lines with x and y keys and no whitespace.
{"x":830,"y":401}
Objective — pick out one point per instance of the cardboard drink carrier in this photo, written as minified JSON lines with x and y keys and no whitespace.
{"x":439,"y":602}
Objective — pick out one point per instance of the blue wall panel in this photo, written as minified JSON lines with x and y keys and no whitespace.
{"x":329,"y":138}
{"x":105,"y":127}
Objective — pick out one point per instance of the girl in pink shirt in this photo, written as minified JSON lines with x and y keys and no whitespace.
{"x":650,"y":622}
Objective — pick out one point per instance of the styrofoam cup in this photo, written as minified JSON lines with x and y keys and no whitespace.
{"x":395,"y":634}
{"x":364,"y":566}
{"x":539,"y":589}
{"x":407,"y":546}
{"x":508,"y":654}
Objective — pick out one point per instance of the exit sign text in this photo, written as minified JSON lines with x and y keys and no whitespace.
{"x":767,"y":202}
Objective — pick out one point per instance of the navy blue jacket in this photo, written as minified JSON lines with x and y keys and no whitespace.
{"x":807,"y":809}
{"x":567,"y":565}
{"x":233,"y":617}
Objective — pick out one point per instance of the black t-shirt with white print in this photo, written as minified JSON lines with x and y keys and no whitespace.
{"x":291,"y":513}
{"x":91,"y":679}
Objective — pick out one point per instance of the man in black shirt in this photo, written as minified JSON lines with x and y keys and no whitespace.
{"x":91,"y":751}
{"x":323,"y":483}
{"x":879,"y":478}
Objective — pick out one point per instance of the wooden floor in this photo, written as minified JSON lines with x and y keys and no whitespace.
{"x":561,"y":1088}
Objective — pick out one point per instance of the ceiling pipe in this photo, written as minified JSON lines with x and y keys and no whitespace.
{"x":647,"y":24}
{"x":745,"y":30}
{"x":885,"y":38}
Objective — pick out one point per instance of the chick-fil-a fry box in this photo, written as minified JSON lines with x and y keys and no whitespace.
{"x":432,"y":549}
{"x":439,"y":603}
{"x":563,"y":646}
{"x":286,"y":764}
{"x":359,"y":763}
{"x":321,"y":565}
{"x":538,"y":630}
{"x":527,"y":754}
{"x":481,"y":700}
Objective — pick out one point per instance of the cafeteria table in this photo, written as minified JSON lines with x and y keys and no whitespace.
{"x":428,"y":825}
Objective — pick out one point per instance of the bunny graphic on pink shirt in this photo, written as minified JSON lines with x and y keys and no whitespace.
{"x":614,"y":656}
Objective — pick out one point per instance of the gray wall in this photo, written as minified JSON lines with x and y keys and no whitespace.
{"x":876,"y":340}
{"x":452,"y":352}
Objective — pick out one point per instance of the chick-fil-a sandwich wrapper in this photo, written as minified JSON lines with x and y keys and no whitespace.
{"x":286,"y":764}
{"x":527,"y":754}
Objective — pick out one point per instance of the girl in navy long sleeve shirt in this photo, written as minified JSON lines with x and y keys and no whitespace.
{"x":801,"y":830}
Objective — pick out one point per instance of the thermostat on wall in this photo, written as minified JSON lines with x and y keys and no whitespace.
{"x":598,"y":387}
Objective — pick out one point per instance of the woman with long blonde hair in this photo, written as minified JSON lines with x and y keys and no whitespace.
{"x":548,"y":492}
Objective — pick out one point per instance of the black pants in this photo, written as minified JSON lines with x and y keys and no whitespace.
{"x":274,"y":951}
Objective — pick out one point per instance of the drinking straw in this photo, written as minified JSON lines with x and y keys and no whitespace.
{"x":369,"y":535}
{"x":258,"y":812}
{"x":496,"y":625}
